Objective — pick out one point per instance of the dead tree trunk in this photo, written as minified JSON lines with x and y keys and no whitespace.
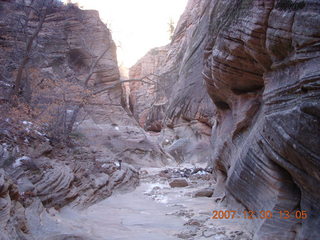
{"x":28,"y":50}
{"x":86,"y":82}
{"x":93,"y":66}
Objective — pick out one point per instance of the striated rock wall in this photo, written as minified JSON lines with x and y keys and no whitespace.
{"x":179,"y":97}
{"x":261,"y":66}
{"x":144,"y":95}
{"x":73,"y":55}
{"x":38,"y":178}
{"x":175,"y":102}
{"x":73,"y":63}
{"x":260,"y":62}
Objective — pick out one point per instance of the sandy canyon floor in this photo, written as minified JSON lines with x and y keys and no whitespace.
{"x":153,"y":211}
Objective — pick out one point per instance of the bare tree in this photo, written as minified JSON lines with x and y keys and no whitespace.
{"x":93,"y":92}
{"x":40,"y":10}
{"x":55,"y":104}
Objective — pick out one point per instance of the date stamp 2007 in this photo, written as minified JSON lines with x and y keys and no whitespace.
{"x":229,"y":214}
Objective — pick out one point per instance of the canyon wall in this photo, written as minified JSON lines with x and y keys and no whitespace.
{"x":177,"y":74}
{"x":71,"y":68}
{"x":262,"y":72}
{"x":175,"y":100}
{"x":144,"y":89}
{"x":260,"y":61}
{"x":72,"y":78}
{"x":180,"y":94}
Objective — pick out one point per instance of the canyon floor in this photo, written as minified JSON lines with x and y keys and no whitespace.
{"x":152,"y":211}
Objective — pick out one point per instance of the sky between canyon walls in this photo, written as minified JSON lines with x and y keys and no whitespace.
{"x":136,"y":25}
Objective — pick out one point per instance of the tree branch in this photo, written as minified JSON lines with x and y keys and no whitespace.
{"x":26,"y":57}
{"x":94,"y":65}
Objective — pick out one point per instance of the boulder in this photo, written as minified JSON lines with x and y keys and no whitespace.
{"x":179,"y":182}
{"x":207,"y":192}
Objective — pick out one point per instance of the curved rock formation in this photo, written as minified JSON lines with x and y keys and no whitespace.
{"x":262,"y":64}
{"x":260,"y":61}
{"x":30,"y":189}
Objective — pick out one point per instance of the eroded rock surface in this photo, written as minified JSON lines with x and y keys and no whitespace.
{"x":262,"y":72}
{"x":175,"y":95}
{"x":261,"y":67}
{"x":142,"y":91}
{"x":178,"y":74}
{"x":74,"y":64}
{"x":260,"y":61}
{"x":31,"y":188}
{"x":41,"y":173}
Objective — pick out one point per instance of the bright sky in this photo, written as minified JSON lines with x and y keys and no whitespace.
{"x":137,"y":25}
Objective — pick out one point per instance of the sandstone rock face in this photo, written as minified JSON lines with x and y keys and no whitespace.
{"x":176,"y":75}
{"x":261,"y":67}
{"x":143,"y":95}
{"x":80,"y":183}
{"x":31,"y":187}
{"x":74,"y":55}
{"x":65,"y":47}
{"x":176,"y":95}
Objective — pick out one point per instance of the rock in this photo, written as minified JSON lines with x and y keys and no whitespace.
{"x":178,"y":101}
{"x":165,"y":174}
{"x":183,"y":213}
{"x":11,"y":209}
{"x":4,"y":155}
{"x":178,"y":95}
{"x":41,"y":149}
{"x":69,"y":43}
{"x":143,"y":173}
{"x":142,"y":95}
{"x":180,"y":182}
{"x":259,"y":106}
{"x":100,"y":180}
{"x":25,"y":185}
{"x":53,"y":183}
{"x":179,"y":149}
{"x":64,"y":51}
{"x":209,"y":233}
{"x":260,"y":62}
{"x":259,"y":66}
{"x":194,"y":222}
{"x":187,"y":234}
{"x":203,"y":193}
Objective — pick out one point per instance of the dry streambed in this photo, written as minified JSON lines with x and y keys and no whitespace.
{"x":168,"y":204}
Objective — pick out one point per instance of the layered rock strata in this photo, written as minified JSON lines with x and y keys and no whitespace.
{"x":261,"y":66}
{"x":176,"y":75}
{"x":72,"y":66}
{"x":260,"y":62}
{"x":174,"y":99}
{"x":73,"y":76}
{"x":48,"y":178}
